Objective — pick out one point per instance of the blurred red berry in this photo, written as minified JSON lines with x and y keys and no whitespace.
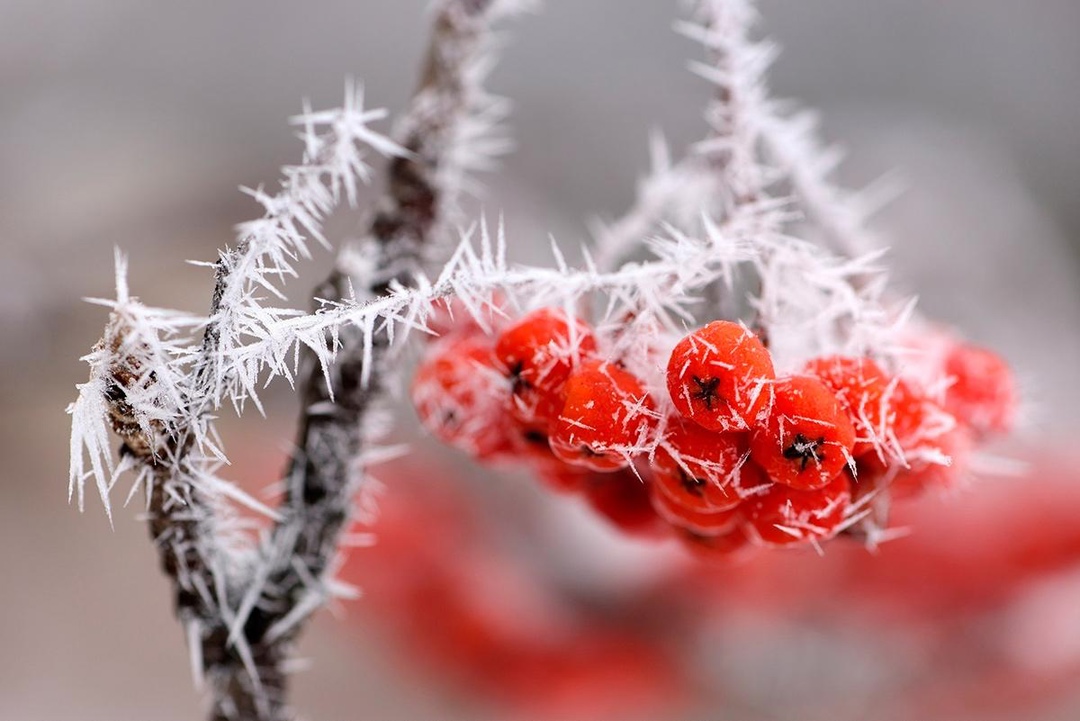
{"x":983,"y":392}
{"x":941,"y":465}
{"x":861,"y":386}
{"x":724,"y":546}
{"x":537,"y":354}
{"x":606,"y":416}
{"x":919,"y":423}
{"x":718,"y":376}
{"x":559,"y":475}
{"x":460,"y":398}
{"x":623,"y":500}
{"x":807,"y":439}
{"x":783,"y":516}
{"x":697,"y":521}
{"x":908,"y":405}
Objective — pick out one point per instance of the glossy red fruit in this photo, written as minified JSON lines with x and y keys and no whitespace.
{"x":983,"y":392}
{"x":862,"y":387}
{"x":719,"y":377}
{"x":700,"y":469}
{"x":537,"y":355}
{"x":606,"y":418}
{"x":700,"y":522}
{"x":807,"y":439}
{"x":784,"y":516}
{"x":460,"y":398}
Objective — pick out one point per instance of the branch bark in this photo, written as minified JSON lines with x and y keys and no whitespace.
{"x":323,"y":476}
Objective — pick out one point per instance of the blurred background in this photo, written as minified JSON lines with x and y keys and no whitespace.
{"x":130,"y":124}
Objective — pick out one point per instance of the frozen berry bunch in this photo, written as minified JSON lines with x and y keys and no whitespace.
{"x":536,"y":389}
{"x":724,"y":452}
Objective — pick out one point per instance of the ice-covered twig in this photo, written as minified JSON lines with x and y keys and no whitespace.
{"x":675,"y":193}
{"x":810,"y":303}
{"x":442,"y":132}
{"x":756,"y":147}
{"x":157,"y":377}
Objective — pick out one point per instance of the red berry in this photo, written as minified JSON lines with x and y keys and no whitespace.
{"x":722,"y":547}
{"x":983,"y":392}
{"x":940,"y":464}
{"x":623,"y":499}
{"x":918,"y":423}
{"x":606,"y":417}
{"x":908,"y":406}
{"x":698,"y":521}
{"x":460,"y":398}
{"x":699,"y":469}
{"x":537,"y":354}
{"x":807,"y":439}
{"x":718,"y":376}
{"x":783,"y":515}
{"x":558,"y":475}
{"x":861,"y":387}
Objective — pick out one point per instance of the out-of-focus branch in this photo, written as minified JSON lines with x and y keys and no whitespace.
{"x":674,"y":193}
{"x":724,"y":170}
{"x":753,"y":146}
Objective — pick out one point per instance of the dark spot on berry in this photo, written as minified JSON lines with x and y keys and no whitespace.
{"x":588,"y":452}
{"x":693,"y":486}
{"x":804,"y":449}
{"x":517,"y":383}
{"x":706,"y":391}
{"x":534,"y":436}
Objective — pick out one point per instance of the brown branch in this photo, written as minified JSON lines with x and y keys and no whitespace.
{"x":323,"y":477}
{"x":242,"y":611}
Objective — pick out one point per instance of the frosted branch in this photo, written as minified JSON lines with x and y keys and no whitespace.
{"x":756,"y":148}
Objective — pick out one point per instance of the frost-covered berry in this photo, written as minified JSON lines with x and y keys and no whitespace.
{"x":918,"y":423}
{"x":700,"y":469}
{"x":862,"y":388}
{"x":807,"y":439}
{"x":537,"y":355}
{"x":704,"y":522}
{"x":718,"y":376}
{"x":983,"y":391}
{"x":460,"y":398}
{"x":606,"y":417}
{"x":784,"y":516}
{"x":941,"y":466}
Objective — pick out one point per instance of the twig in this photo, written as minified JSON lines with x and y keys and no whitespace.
{"x":326,"y":470}
{"x":157,"y":384}
{"x":753,"y":145}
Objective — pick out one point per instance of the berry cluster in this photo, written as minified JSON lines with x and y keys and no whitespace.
{"x":730,"y":453}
